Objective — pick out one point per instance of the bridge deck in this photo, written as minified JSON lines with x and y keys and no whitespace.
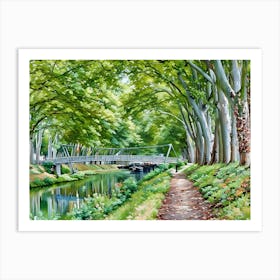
{"x":113,"y":158}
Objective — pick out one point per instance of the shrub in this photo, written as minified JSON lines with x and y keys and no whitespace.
{"x":227,"y":187}
{"x":65,"y":178}
{"x":49,"y":181}
{"x":37,"y":183}
{"x":161,"y":168}
{"x":130,"y":184}
{"x":42,"y":182}
{"x":146,"y":201}
{"x":48,"y":165}
{"x":98,"y":206}
{"x":65,"y":169}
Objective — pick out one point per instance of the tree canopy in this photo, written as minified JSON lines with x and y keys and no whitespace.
{"x":201,"y":107}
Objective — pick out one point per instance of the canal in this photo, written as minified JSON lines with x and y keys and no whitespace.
{"x":55,"y":202}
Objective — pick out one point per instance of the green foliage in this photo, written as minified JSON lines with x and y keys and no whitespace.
{"x":239,"y":209}
{"x":37,"y":183}
{"x":48,"y":165}
{"x":121,"y":103}
{"x":98,"y":206}
{"x":150,"y":189}
{"x":92,"y":208}
{"x":66,"y":178}
{"x":65,"y":169}
{"x":40,"y":216}
{"x":49,"y":181}
{"x":129,"y":186}
{"x":79,"y":101}
{"x":190,"y":169}
{"x":146,"y":201}
{"x":78,"y":175}
{"x":161,"y":168}
{"x":227,"y":187}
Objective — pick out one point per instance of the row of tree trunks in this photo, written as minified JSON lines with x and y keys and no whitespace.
{"x":205,"y":156}
{"x":231,"y":139}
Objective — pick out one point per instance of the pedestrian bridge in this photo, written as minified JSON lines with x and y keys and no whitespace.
{"x":112,"y":159}
{"x":114,"y":156}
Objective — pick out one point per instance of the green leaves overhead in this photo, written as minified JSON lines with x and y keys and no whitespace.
{"x":124,"y":103}
{"x":72,"y":97}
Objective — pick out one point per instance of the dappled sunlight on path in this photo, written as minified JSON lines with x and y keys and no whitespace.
{"x":184,"y":202}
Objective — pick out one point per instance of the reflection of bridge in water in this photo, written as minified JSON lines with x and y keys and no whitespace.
{"x":114,"y":156}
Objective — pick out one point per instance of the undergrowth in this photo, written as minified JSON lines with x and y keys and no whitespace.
{"x":144,"y":203}
{"x":130,"y":200}
{"x":226,"y":187}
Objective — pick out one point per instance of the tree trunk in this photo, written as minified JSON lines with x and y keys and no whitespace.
{"x":39,"y":138}
{"x":31,"y":150}
{"x":242,"y":114}
{"x":201,"y":119}
{"x":225,"y":125}
{"x":221,"y":145}
{"x":234,"y":140}
{"x":200,"y":145}
{"x":222,"y":80}
{"x":236,"y":85}
{"x":50,"y":148}
{"x":236,"y":76}
{"x":190,"y":150}
{"x":243,"y":128}
{"x":54,"y":151}
{"x":215,"y":148}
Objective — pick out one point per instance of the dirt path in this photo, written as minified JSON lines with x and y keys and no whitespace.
{"x":184,"y":202}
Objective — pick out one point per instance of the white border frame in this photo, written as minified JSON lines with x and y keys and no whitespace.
{"x":25,"y":224}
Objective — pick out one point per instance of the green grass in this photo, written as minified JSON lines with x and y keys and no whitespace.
{"x":41,"y":175}
{"x":225,"y":186}
{"x":145,"y":202}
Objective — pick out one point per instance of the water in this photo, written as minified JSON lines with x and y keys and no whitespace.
{"x":56,"y":201}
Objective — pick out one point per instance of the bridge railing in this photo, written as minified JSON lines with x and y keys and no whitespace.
{"x":114,"y":158}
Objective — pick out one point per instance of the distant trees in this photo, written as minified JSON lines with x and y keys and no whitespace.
{"x":202,"y":107}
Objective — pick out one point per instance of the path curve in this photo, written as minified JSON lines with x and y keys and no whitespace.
{"x":184,"y":201}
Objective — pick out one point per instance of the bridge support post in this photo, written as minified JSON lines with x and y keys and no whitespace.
{"x":58,"y":169}
{"x":168,"y":152}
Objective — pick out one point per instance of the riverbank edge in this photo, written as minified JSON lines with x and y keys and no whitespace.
{"x":49,"y":179}
{"x":147,"y":200}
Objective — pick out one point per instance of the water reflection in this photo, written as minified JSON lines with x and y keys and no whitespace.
{"x":55,"y":202}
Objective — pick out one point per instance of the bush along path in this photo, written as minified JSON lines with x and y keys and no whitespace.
{"x":184,"y":201}
{"x":219,"y":191}
{"x":226,"y":187}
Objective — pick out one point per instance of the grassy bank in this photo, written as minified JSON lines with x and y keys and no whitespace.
{"x":43,"y":175}
{"x":130,"y":201}
{"x":145,"y":203}
{"x":226,"y":187}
